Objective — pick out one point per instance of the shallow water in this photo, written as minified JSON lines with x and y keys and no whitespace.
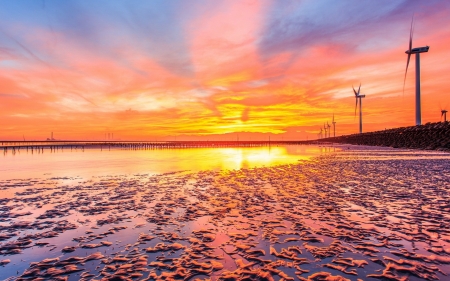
{"x":95,"y":162}
{"x":354,"y":213}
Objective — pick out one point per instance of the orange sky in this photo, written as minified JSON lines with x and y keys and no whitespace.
{"x":188,"y":70}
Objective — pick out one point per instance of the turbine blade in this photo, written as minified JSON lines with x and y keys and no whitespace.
{"x":411,"y":31}
{"x":406,"y":71}
{"x":359,"y":88}
{"x":356,"y":94}
{"x":356,"y":106}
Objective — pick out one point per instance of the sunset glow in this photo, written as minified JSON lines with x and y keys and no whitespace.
{"x":213,"y":70}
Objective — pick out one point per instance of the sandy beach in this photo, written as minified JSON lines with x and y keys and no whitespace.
{"x":354,"y":215}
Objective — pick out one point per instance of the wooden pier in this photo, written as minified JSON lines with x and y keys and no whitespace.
{"x":40,"y":146}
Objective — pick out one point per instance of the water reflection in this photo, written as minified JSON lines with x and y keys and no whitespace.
{"x":93,"y":162}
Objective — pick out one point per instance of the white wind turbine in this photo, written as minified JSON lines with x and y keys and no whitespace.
{"x":329,"y":130}
{"x":359,"y":96}
{"x":444,"y":113}
{"x":334,"y":127}
{"x":417,"y":52}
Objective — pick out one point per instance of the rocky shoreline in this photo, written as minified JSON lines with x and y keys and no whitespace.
{"x":431,"y":136}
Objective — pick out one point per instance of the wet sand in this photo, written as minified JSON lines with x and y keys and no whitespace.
{"x":374,"y":215}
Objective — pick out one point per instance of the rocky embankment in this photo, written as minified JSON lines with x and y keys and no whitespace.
{"x":431,"y":136}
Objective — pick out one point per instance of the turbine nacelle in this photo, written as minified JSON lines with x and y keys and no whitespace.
{"x":417,"y":50}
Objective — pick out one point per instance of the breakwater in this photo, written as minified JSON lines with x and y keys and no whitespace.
{"x":431,"y":136}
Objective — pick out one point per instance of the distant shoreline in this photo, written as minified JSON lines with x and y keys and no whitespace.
{"x":431,"y":136}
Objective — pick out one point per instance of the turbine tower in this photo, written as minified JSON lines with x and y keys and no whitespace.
{"x":334,"y":127}
{"x":325,"y":129}
{"x":359,"y":96}
{"x":417,"y":52}
{"x":444,"y":113}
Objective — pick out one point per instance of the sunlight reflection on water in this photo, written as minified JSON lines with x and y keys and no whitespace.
{"x":95,"y":162}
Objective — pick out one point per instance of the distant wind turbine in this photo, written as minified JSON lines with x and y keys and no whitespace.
{"x":444,"y":113}
{"x":325,"y":129}
{"x":329,"y":131}
{"x":417,"y":52}
{"x":334,"y":127}
{"x":359,"y":96}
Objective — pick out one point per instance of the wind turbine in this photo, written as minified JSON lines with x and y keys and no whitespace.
{"x":417,"y":52}
{"x":359,"y":96}
{"x":444,"y":113}
{"x":325,"y":128}
{"x":329,"y":131}
{"x":334,"y":127}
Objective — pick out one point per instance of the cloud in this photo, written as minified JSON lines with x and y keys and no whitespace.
{"x":245,"y":115}
{"x":13,"y":95}
{"x":202,"y":67}
{"x":296,"y":26}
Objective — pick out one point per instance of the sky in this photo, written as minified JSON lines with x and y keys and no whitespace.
{"x":216,"y":70}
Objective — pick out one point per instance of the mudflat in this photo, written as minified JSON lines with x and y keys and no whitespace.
{"x":350,"y":216}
